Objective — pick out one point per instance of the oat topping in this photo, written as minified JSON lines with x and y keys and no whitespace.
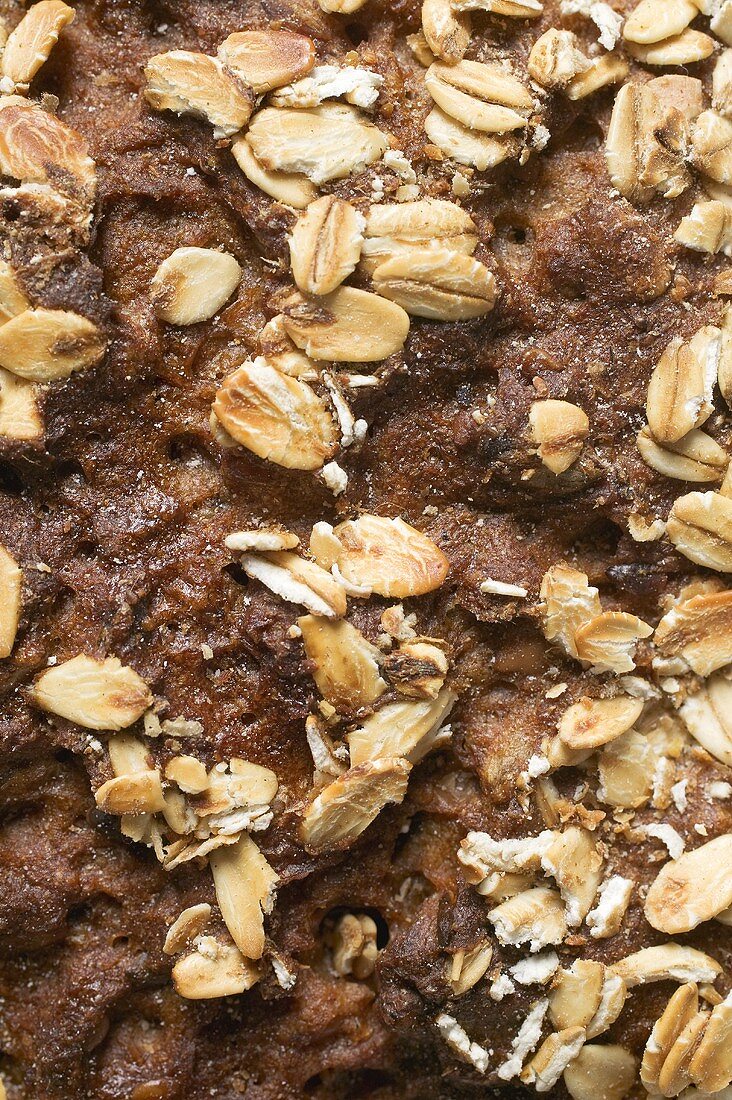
{"x":11,"y":585}
{"x":192,"y":284}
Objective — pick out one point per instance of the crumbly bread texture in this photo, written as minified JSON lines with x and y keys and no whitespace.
{"x":365,"y":544}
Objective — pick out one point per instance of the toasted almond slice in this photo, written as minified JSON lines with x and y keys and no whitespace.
{"x":298,"y":580}
{"x":515,"y":9}
{"x":708,"y":717}
{"x":325,"y":245}
{"x":11,"y":584}
{"x":268,"y":59}
{"x":695,"y":457}
{"x":437,"y":283}
{"x":667,"y":962}
{"x":693,"y":888}
{"x":195,"y":84}
{"x":100,"y":695}
{"x":710,"y":1066}
{"x":345,"y":664}
{"x":594,"y":722}
{"x":325,"y":143}
{"x":535,"y":916}
{"x":245,"y":885}
{"x":188,"y":772}
{"x":601,"y":1072}
{"x":576,"y":994}
{"x":553,"y":1057}
{"x":680,"y":391}
{"x":468,"y":146}
{"x":417,"y":669}
{"x":290,"y":188}
{"x":277,"y":417}
{"x":36,"y":147}
{"x":400,"y":729}
{"x":341,"y":812}
{"x":700,"y":527}
{"x":711,"y":146}
{"x":12,"y":298}
{"x":573,"y":859}
{"x":680,"y":1010}
{"x":192,"y":284}
{"x":700,"y":631}
{"x":30,"y":44}
{"x":626,"y":769}
{"x":139,"y":793}
{"x":656,"y":20}
{"x":559,"y":430}
{"x":682,"y":49}
{"x":646,"y":145}
{"x":348,"y":325}
{"x":446,"y":31}
{"x":44,"y":345}
{"x":481,"y":97}
{"x":675,"y":1073}
{"x":556,"y":58}
{"x":568,"y":601}
{"x":186,"y":926}
{"x":607,"y":642}
{"x":213,"y":970}
{"x":603,"y":71}
{"x":389,"y":556}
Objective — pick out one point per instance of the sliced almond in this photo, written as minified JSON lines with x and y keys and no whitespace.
{"x":601,"y":1072}
{"x":186,"y":926}
{"x":11,"y":584}
{"x":468,"y":146}
{"x":195,"y":84}
{"x":341,"y":812}
{"x":695,"y":457}
{"x":30,"y":44}
{"x":700,"y":631}
{"x":685,"y":48}
{"x":345,"y":664}
{"x":700,"y":527}
{"x":325,"y":245}
{"x":12,"y":298}
{"x":437,"y":283}
{"x":559,"y":430}
{"x":417,"y":669}
{"x":389,"y":556}
{"x":277,"y":417}
{"x":711,"y":146}
{"x":36,"y":147}
{"x":268,"y":59}
{"x":680,"y":1010}
{"x":400,"y":729}
{"x":139,"y":793}
{"x":44,"y":345}
{"x":568,"y":601}
{"x":646,"y":145}
{"x":693,"y":888}
{"x":667,"y":962}
{"x":603,"y":71}
{"x":626,"y":770}
{"x":290,"y":188}
{"x":535,"y":916}
{"x":481,"y":97}
{"x":324,"y":143}
{"x":553,"y":1057}
{"x":192,"y":284}
{"x":298,"y":580}
{"x":594,"y":722}
{"x":188,"y":773}
{"x":607,"y":641}
{"x":680,"y":391}
{"x":710,"y":1066}
{"x":245,"y":885}
{"x":655,"y":20}
{"x":447,"y":32}
{"x":708,"y":717}
{"x":213,"y":970}
{"x":556,"y":58}
{"x":99,"y":695}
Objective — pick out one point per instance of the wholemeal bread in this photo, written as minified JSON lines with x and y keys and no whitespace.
{"x":365,"y":525}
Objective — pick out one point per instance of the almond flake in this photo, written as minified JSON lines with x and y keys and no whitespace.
{"x":100,"y":695}
{"x":605,"y":1071}
{"x":692,"y":889}
{"x":481,"y":97}
{"x":290,"y":188}
{"x":667,"y":962}
{"x":466,"y":145}
{"x":695,"y":457}
{"x":437,"y":284}
{"x":680,"y":391}
{"x":213,"y":970}
{"x":11,"y":584}
{"x":196,"y":84}
{"x":44,"y":345}
{"x":447,"y":32}
{"x":268,"y":59}
{"x":345,"y":808}
{"x":556,"y":58}
{"x":594,"y":722}
{"x":700,"y":527}
{"x":700,"y":631}
{"x":389,"y":556}
{"x":707,"y":714}
{"x":277,"y":417}
{"x":345,"y":664}
{"x":655,"y":20}
{"x":685,"y":48}
{"x":245,"y":885}
{"x":406,"y":729}
{"x":711,"y":146}
{"x":30,"y":44}
{"x":325,"y":245}
{"x":348,"y":325}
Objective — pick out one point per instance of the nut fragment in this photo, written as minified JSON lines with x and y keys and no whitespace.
{"x":11,"y":582}
{"x":192,"y":284}
{"x":693,"y":888}
{"x":655,"y":20}
{"x":138,"y":793}
{"x":325,"y":245}
{"x":290,"y":188}
{"x":298,"y":580}
{"x":682,"y":49}
{"x":646,"y":145}
{"x":28,"y":47}
{"x":407,"y":729}
{"x":277,"y":417}
{"x":594,"y":722}
{"x":389,"y":556}
{"x":559,"y":430}
{"x":437,"y":283}
{"x":700,"y":527}
{"x":601,"y":1072}
{"x":568,"y":601}
{"x":556,"y":58}
{"x":447,"y":31}
{"x":711,"y":146}
{"x":44,"y":345}
{"x":186,"y":926}
{"x":341,"y":812}
{"x":708,"y":717}
{"x":667,"y":962}
{"x":700,"y":631}
{"x":245,"y":885}
{"x":195,"y":84}
{"x":467,"y":146}
{"x":100,"y":695}
{"x":695,"y":457}
{"x":680,"y":391}
{"x":348,"y":325}
{"x":345,"y":664}
{"x":268,"y":59}
{"x":607,"y":641}
{"x":213,"y":970}
{"x":36,"y":147}
{"x":353,"y":945}
{"x":324,"y":143}
{"x":481,"y":97}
